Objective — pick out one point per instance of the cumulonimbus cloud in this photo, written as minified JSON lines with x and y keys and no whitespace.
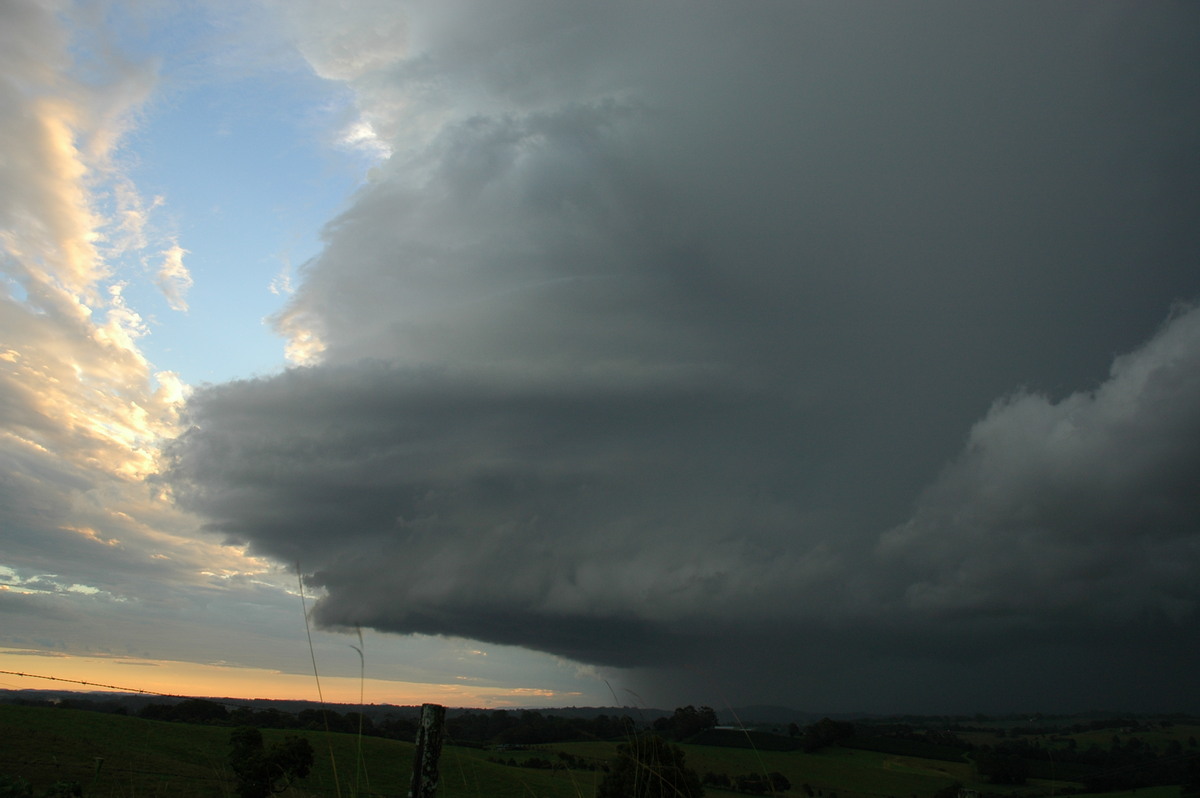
{"x":661,"y":330}
{"x":592,"y":523}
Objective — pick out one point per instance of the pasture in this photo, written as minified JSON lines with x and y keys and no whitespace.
{"x":118,"y":756}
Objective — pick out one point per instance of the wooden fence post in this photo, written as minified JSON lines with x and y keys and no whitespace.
{"x":429,"y":749}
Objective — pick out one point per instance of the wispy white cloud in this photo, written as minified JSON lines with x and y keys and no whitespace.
{"x":361,"y":135}
{"x":349,"y":42}
{"x":304,"y":334}
{"x":173,"y":278}
{"x":83,"y":416}
{"x":281,"y":283}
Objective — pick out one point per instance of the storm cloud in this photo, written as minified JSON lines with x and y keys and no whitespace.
{"x":664,"y":331}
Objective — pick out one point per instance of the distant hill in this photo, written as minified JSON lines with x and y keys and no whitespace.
{"x":133,"y":702}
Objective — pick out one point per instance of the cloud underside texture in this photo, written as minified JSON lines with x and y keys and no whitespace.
{"x":656,"y":335}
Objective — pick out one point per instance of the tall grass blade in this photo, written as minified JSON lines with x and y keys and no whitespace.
{"x":359,"y":764}
{"x":317,"y":676}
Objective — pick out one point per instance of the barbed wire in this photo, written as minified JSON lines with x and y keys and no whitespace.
{"x":92,"y":684}
{"x":236,"y":704}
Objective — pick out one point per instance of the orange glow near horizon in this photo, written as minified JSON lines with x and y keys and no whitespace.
{"x":54,"y":671}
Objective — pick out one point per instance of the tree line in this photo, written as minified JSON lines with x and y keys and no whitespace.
{"x":484,"y":727}
{"x":1125,"y":764}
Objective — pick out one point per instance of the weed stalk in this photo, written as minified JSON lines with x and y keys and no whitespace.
{"x":317,"y":676}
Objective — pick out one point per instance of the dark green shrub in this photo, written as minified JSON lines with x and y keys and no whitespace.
{"x":649,"y":767}
{"x":14,"y":787}
{"x":262,"y":771}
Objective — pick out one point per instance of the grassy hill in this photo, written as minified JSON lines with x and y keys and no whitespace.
{"x":117,"y":756}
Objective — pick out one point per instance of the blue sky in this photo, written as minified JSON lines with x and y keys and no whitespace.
{"x":246,"y":160}
{"x":572,"y":352}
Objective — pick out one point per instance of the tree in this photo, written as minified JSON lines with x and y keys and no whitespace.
{"x":1002,"y":767}
{"x":14,"y":787}
{"x":197,"y":710}
{"x":64,"y":789}
{"x":826,"y":732}
{"x":779,"y":782}
{"x":262,"y":771}
{"x":753,"y":783}
{"x":1191,"y":778}
{"x":760,"y":784}
{"x":649,"y":767}
{"x":687,"y":722}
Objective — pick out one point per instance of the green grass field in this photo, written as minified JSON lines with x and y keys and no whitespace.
{"x":154,"y":759}
{"x":114,"y":756}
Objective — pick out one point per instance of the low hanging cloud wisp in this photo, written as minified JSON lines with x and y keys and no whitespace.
{"x":651,"y":342}
{"x":173,"y":278}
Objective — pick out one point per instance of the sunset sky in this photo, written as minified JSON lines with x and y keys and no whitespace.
{"x":837,"y":355}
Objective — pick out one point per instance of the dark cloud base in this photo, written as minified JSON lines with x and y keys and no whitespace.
{"x":423,"y":503}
